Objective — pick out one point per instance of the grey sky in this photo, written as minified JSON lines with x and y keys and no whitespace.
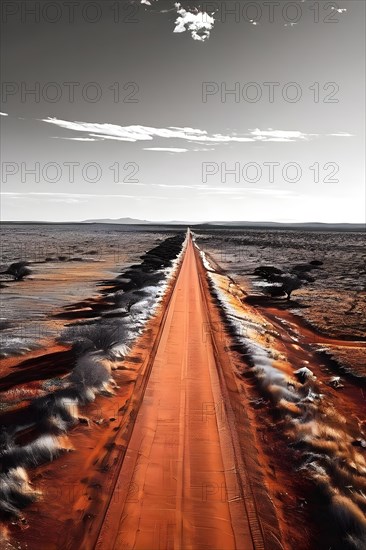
{"x":173,"y":164}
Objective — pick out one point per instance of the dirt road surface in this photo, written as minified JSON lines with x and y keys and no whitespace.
{"x":181,"y":482}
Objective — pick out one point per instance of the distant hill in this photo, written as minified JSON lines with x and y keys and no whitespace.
{"x":310,"y":226}
{"x":134,"y":221}
{"x":123,"y":221}
{"x":275,"y":225}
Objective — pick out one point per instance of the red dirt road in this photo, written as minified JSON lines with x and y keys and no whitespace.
{"x":181,"y":482}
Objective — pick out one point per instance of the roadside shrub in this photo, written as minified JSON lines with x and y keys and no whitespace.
{"x":56,"y":411}
{"x":91,"y":374}
{"x":18,"y":270}
{"x":15,"y":491}
{"x":44,"y":449}
{"x":96,"y":337}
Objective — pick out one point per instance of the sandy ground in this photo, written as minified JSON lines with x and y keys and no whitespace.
{"x":333,"y":306}
{"x":185,"y":455}
{"x":34,"y":311}
{"x":171,"y":461}
{"x":303,"y":512}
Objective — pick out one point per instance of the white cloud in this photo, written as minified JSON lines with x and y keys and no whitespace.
{"x":102,"y":137}
{"x":339,"y":10}
{"x":4,"y":114}
{"x":198,"y":23}
{"x":78,"y":139}
{"x":104,"y":131}
{"x":166,"y":149}
{"x":341,"y":134}
{"x":279,"y":139}
{"x":288,"y":135}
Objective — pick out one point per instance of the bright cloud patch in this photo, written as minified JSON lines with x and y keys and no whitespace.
{"x":279,"y":135}
{"x":341,"y":134}
{"x":198,"y":23}
{"x":134,"y":133}
{"x":4,"y":114}
{"x":166,"y":149}
{"x":81,"y":139}
{"x":339,"y":10}
{"x":95,"y":131}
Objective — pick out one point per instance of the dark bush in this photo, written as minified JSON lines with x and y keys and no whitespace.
{"x":44,"y":449}
{"x":268,"y":272}
{"x":90,"y":373}
{"x":15,"y":492}
{"x":95,"y":337}
{"x":18,"y":270}
{"x":55,"y":410}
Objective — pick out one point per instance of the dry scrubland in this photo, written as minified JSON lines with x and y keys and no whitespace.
{"x":80,"y":333}
{"x":333,"y":301}
{"x":68,"y":263}
{"x":67,"y":327}
{"x":305,"y":379}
